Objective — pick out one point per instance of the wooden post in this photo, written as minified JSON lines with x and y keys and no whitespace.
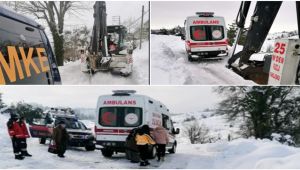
{"x":141,"y":32}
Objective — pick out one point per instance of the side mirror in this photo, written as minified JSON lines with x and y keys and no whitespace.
{"x":177,"y":131}
{"x":182,"y":37}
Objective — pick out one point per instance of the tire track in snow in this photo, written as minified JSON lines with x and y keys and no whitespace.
{"x":169,"y":61}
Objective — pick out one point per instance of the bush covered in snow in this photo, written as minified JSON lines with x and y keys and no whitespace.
{"x":197,"y":133}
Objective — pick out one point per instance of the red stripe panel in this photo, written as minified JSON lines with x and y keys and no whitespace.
{"x":194,"y":46}
{"x":39,"y":128}
{"x":112,"y":131}
{"x":209,"y":43}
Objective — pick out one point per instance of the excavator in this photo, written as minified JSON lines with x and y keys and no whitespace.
{"x":108,"y":50}
{"x":281,"y":67}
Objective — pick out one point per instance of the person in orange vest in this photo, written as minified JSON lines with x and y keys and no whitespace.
{"x":143,"y":140}
{"x":15,"y":132}
{"x":24,"y":137}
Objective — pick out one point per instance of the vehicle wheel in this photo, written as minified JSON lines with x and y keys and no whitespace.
{"x":91,"y":71}
{"x":42,"y":140}
{"x":173,"y":150}
{"x":190,"y":58}
{"x":124,"y":74}
{"x":153,"y":152}
{"x":107,"y":153}
{"x":90,"y":147}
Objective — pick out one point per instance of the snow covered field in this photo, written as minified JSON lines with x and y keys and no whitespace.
{"x":239,"y":153}
{"x":71,"y":73}
{"x":169,"y":65}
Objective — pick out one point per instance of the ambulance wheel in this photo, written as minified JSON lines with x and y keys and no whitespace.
{"x":124,"y":74}
{"x":90,"y":147}
{"x":190,"y":58}
{"x":153,"y":152}
{"x":173,"y":149}
{"x":42,"y":140}
{"x":107,"y":152}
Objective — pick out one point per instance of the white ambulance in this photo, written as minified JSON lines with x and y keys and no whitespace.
{"x":205,"y":36}
{"x":124,"y":110}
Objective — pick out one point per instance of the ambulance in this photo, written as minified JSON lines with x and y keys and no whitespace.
{"x":205,"y":36}
{"x":117,"y":114}
{"x":26,"y":56}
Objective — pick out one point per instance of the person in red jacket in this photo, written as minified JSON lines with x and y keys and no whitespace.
{"x":23,"y":139}
{"x":15,"y":133}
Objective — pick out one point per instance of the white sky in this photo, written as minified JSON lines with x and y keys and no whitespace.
{"x":124,"y":9}
{"x":84,"y":16}
{"x":176,"y":98}
{"x":169,"y":14}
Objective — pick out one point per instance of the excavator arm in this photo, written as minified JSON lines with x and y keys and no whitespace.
{"x":98,"y":40}
{"x":261,"y":21}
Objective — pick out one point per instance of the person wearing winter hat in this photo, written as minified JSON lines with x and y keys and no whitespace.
{"x":60,"y":137}
{"x":161,"y":138}
{"x":15,"y":132}
{"x":143,"y":140}
{"x":23,"y":140}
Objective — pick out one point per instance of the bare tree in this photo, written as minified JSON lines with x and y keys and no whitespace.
{"x":53,"y":12}
{"x":197,"y":133}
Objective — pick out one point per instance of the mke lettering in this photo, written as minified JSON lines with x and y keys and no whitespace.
{"x":13,"y":67}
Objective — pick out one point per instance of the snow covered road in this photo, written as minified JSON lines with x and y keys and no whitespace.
{"x":71,"y":73}
{"x":237,"y":154}
{"x":169,"y":65}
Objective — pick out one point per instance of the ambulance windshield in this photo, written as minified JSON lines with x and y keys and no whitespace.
{"x":207,"y":32}
{"x":120,"y":116}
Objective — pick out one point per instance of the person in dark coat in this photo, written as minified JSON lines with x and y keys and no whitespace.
{"x":60,"y":137}
{"x":132,"y":152}
{"x":23,"y":140}
{"x":15,"y":133}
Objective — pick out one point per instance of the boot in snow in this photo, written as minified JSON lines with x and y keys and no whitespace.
{"x":19,"y":157}
{"x":61,"y":156}
{"x":163,"y":159}
{"x":143,"y":164}
{"x":26,"y":154}
{"x":147,"y":163}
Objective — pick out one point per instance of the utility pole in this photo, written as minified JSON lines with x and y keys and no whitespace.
{"x":142,"y":23}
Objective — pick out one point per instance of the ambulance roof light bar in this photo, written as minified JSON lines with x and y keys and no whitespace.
{"x":123,"y":92}
{"x":205,"y":14}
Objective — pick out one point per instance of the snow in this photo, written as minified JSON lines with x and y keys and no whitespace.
{"x":169,"y":65}
{"x":237,"y":154}
{"x":71,"y":73}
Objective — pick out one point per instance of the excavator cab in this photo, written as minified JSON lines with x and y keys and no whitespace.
{"x":116,"y":38}
{"x":107,"y":50}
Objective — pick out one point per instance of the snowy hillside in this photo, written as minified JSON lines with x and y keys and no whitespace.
{"x":169,"y":65}
{"x":237,"y":154}
{"x":71,"y":73}
{"x":217,"y":125}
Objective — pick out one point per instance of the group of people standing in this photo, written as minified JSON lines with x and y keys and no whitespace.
{"x":18,"y":133}
{"x":141,"y":139}
{"x":138,"y":141}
